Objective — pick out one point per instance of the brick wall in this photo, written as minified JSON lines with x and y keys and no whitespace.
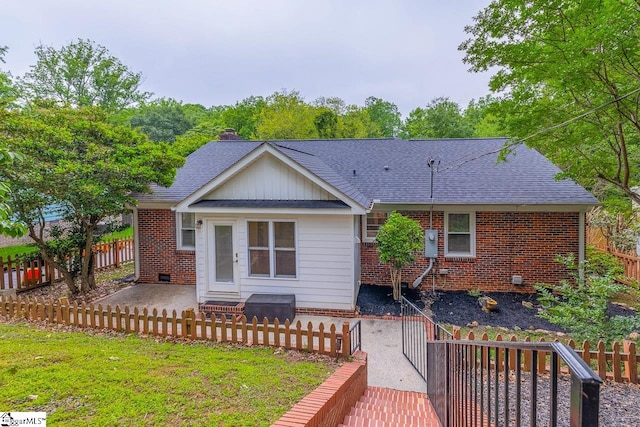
{"x":507,"y":243}
{"x":158,"y":249}
{"x":327,"y":405}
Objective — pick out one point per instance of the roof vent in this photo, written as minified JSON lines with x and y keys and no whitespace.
{"x":386,"y":167}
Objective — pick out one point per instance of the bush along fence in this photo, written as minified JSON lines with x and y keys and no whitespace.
{"x":619,"y":365}
{"x":25,"y":272}
{"x":188,"y":325}
{"x":628,"y":259}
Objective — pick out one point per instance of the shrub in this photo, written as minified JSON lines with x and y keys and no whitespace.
{"x":580,"y":305}
{"x":397,"y":241}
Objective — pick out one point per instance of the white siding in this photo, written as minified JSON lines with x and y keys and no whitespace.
{"x":269,"y":179}
{"x":325,"y":256}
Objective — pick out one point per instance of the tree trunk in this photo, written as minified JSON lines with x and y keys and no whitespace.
{"x":87,"y":277}
{"x":61,"y":266}
{"x":396,"y":280}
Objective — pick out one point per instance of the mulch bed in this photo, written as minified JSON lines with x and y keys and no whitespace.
{"x":461,"y":309}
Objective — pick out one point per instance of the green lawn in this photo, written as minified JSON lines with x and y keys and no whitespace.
{"x":81,"y":379}
{"x":14,"y":250}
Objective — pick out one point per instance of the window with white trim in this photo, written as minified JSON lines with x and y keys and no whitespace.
{"x":460,"y":229}
{"x":186,"y":230}
{"x":374,"y":221}
{"x":272,"y":248}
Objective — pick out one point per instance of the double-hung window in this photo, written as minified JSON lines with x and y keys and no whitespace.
{"x":460,"y":234}
{"x":374,"y":221}
{"x":272,"y":248}
{"x":186,"y":231}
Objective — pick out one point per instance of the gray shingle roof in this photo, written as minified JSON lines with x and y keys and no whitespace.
{"x":396,"y":171}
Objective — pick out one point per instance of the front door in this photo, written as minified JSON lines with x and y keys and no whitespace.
{"x":222,"y":258}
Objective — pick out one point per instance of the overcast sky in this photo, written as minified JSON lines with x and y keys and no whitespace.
{"x":219,"y":52}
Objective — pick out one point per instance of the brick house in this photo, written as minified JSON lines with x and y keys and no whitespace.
{"x":245,"y":217}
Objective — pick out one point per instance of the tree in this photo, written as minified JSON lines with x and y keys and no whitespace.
{"x":244,"y":116}
{"x":162,"y":120}
{"x":286,"y":116}
{"x":83,"y":74}
{"x":86,"y":168}
{"x":326,"y":123}
{"x":482,"y":118}
{"x":568,"y":73}
{"x":386,"y":115}
{"x":8,"y":226}
{"x":397,"y":242}
{"x":440,"y":119}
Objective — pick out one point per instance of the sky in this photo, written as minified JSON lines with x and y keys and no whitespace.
{"x":220,"y":52}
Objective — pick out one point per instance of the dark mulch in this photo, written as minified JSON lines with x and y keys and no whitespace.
{"x":377,"y":300}
{"x":459,"y":308}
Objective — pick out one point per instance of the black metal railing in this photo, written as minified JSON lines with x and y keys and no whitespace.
{"x":417,"y":330}
{"x":355,"y":337}
{"x":482,"y":383}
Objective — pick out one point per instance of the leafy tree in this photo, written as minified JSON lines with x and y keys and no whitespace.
{"x":86,"y":168}
{"x":162,"y":120}
{"x":397,"y":242}
{"x":440,"y":119}
{"x":82,"y":74}
{"x":286,"y":116}
{"x":356,"y":123}
{"x":244,"y":116}
{"x":326,"y":123}
{"x":385,"y":114}
{"x":483,"y":119}
{"x":581,"y":305}
{"x":568,"y":73}
{"x":8,"y":226}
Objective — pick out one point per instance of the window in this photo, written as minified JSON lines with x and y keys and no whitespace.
{"x":374,"y":222}
{"x":272,"y":249}
{"x":460,"y":234}
{"x":187,"y":230}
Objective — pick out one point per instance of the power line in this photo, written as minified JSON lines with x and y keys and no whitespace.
{"x":545,"y":130}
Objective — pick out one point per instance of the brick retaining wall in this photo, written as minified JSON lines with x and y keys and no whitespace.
{"x":328,"y":404}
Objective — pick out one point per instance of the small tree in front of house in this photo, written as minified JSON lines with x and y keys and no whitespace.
{"x":397,"y":242}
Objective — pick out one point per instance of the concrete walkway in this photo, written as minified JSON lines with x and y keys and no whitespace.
{"x":381,"y":339}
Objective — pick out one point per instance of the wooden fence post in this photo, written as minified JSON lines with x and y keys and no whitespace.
{"x":346,"y":340}
{"x":631,"y":364}
{"x":116,"y":254}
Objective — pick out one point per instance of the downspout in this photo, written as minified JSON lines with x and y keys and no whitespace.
{"x":136,"y":244}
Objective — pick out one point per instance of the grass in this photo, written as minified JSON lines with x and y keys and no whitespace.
{"x":114,"y":379}
{"x":12,"y":251}
{"x":125,"y":233}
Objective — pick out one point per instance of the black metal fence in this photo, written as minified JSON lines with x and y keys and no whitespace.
{"x":495,"y":383}
{"x":481,"y":383}
{"x":355,"y":337}
{"x":417,"y":330}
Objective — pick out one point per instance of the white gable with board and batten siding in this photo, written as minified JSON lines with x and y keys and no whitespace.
{"x":268,"y":178}
{"x":265,"y":193}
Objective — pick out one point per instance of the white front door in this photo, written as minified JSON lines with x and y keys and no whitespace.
{"x":222,"y":257}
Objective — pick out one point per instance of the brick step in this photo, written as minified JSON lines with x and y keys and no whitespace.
{"x":383,"y":407}
{"x":396,"y":404}
{"x":417,"y":412}
{"x":353,"y":421}
{"x":399,"y":395}
{"x":390,"y":416}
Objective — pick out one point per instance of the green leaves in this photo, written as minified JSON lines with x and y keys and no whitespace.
{"x":581,"y":305}
{"x":83,"y":74}
{"x":567,"y":63}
